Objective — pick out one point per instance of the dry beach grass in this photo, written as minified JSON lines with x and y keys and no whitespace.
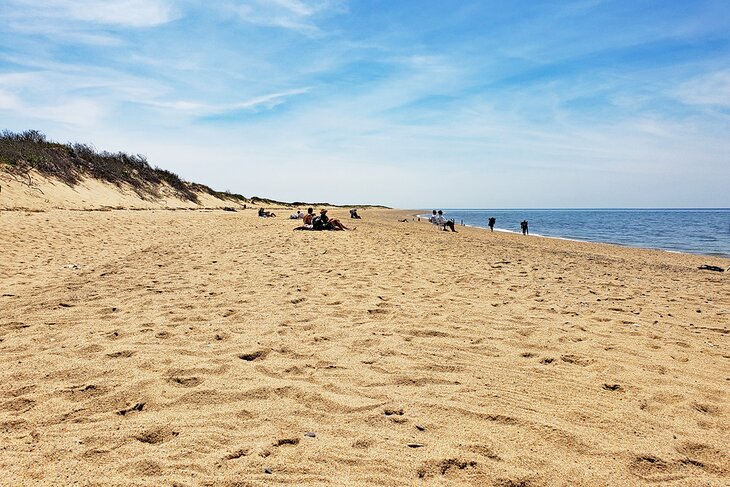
{"x":201,"y":347}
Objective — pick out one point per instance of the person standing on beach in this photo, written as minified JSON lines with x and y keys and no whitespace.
{"x":492,"y":221}
{"x":525,"y":230}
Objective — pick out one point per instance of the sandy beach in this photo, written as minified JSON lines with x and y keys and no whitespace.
{"x":191,"y":348}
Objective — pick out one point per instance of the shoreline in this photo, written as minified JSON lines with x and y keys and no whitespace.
{"x":618,"y":244}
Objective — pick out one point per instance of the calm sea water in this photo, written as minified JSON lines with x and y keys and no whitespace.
{"x":697,"y":231}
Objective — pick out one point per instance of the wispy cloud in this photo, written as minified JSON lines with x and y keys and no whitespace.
{"x":297,"y":15}
{"x":130,"y":13}
{"x":197,"y":109}
{"x":77,"y":111}
{"x":711,"y":89}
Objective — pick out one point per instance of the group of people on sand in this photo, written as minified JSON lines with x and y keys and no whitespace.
{"x":310,"y":221}
{"x":437,"y":218}
{"x":523,"y":225}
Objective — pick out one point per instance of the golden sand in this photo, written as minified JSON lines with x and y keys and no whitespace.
{"x":217,"y":348}
{"x":36,"y":192}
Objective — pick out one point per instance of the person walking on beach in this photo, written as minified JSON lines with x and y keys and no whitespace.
{"x":525,"y":229}
{"x":492,"y":221}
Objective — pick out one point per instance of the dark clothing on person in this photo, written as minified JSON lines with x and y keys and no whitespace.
{"x":326,"y":223}
{"x":492,"y":221}
{"x":525,"y":229}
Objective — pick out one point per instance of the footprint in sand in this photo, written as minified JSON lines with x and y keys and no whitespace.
{"x":156,"y":436}
{"x":363,"y":443}
{"x":18,"y":405}
{"x":704,"y":456}
{"x":432,"y":468}
{"x":649,"y":466}
{"x":121,"y":354}
{"x":704,"y":408}
{"x":133,"y":409}
{"x":286,"y":441}
{"x":251,"y":356}
{"x":185,"y":381}
{"x":574,"y":359}
{"x":237,"y":454}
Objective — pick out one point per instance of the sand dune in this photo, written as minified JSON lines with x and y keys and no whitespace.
{"x":216,"y":348}
{"x":37,"y":192}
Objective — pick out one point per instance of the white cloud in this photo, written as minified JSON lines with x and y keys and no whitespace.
{"x":202,"y":109}
{"x":61,"y":32}
{"x":60,"y":94}
{"x":130,"y":13}
{"x":76,"y":112}
{"x":8,"y":101}
{"x":295,"y":6}
{"x":710,"y":89}
{"x":297,"y":15}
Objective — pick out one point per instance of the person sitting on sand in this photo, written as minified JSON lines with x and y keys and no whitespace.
{"x":307,"y":220}
{"x":323,"y":222}
{"x":441,"y":221}
{"x":353,"y":214}
{"x":433,"y":217}
{"x":266,"y":214}
{"x":297,"y":215}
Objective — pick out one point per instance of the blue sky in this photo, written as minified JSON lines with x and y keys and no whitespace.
{"x":486,"y":104}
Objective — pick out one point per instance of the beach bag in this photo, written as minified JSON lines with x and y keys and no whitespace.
{"x":317,"y":223}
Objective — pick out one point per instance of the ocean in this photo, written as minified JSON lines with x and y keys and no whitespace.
{"x":696,"y":231}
